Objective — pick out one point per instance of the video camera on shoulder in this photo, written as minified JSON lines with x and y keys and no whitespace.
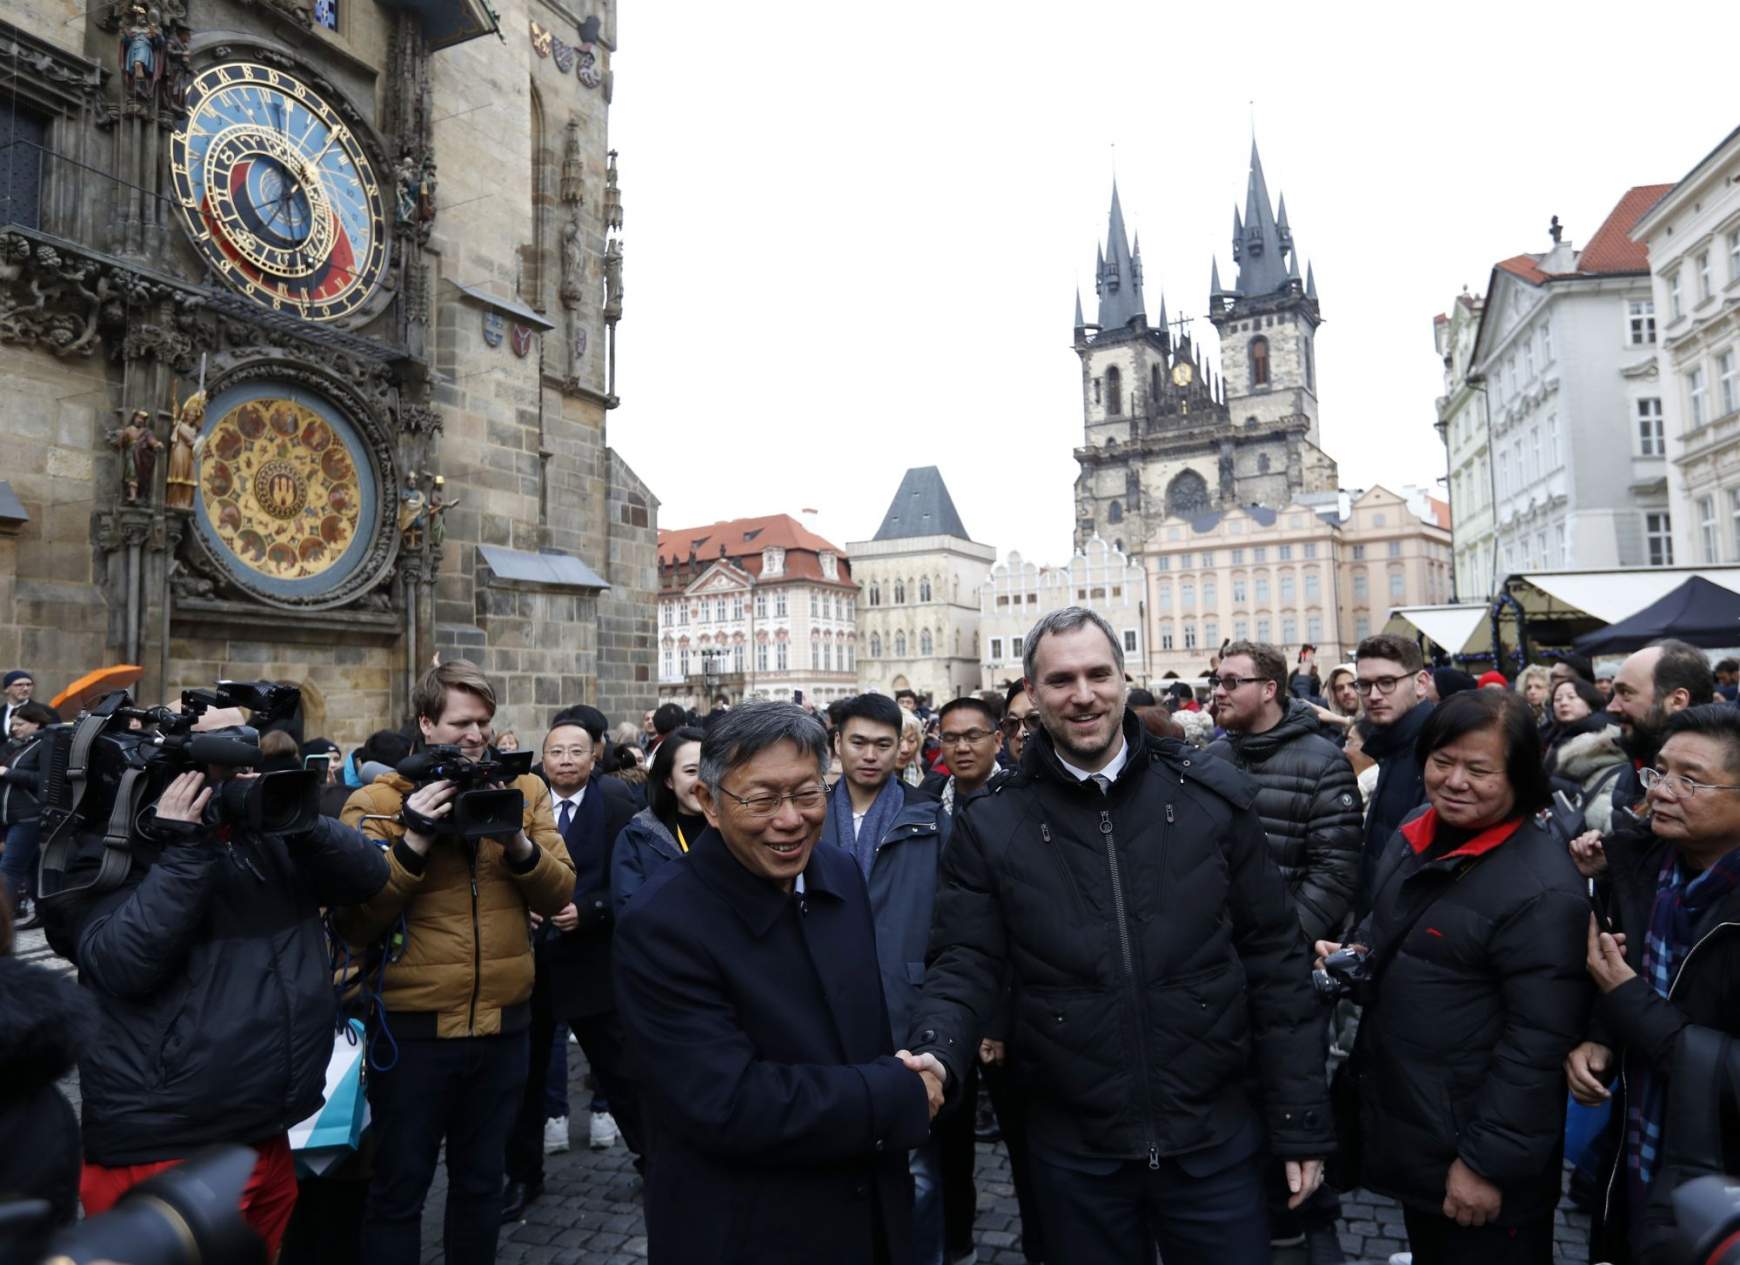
{"x":484,"y":807}
{"x":98,"y":774}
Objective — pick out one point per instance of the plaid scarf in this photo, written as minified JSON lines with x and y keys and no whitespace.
{"x":1679,"y":903}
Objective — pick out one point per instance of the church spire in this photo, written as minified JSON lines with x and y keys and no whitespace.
{"x":1261,"y":243}
{"x":1311,"y":283}
{"x":1119,"y":276}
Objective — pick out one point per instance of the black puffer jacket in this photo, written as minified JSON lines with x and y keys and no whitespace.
{"x":210,"y":966}
{"x":1461,"y":1052}
{"x":1312,"y":813}
{"x":1400,"y":789}
{"x":44,"y":1021}
{"x":1154,"y":952}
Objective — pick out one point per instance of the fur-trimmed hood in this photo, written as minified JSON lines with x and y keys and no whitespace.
{"x":47,"y":1022}
{"x":1587,"y":754}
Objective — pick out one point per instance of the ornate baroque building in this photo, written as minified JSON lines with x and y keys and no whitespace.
{"x":754,"y":608}
{"x":1170,"y":434}
{"x":918,"y":626}
{"x":307,"y":310}
{"x":1018,"y":592}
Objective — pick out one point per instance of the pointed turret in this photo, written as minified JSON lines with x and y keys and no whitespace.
{"x":1310,"y":283}
{"x":1281,"y":229}
{"x":1238,"y":236}
{"x":1164,"y":324}
{"x":1080,"y":325}
{"x":1119,"y":282}
{"x":1216,"y":292}
{"x":1259,"y":245}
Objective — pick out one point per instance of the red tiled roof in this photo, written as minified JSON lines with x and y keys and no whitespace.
{"x":741,"y":537}
{"x":1524,"y":266}
{"x":1611,"y":250}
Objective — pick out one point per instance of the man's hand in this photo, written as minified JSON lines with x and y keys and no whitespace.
{"x":433,"y":801}
{"x":1469,"y":1199}
{"x":1303,"y":1179}
{"x":1323,"y":948}
{"x":567,"y":919}
{"x":1586,"y":1068}
{"x":518,"y":849}
{"x":1588,"y":855}
{"x":1606,"y":960}
{"x":184,"y":800}
{"x":992,"y":1053}
{"x":930,"y":1070}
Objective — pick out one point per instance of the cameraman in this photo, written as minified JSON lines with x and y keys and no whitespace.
{"x":456,"y":985}
{"x":212,"y":976}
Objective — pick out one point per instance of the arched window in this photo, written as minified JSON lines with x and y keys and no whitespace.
{"x":1114,"y":391}
{"x":875,"y":645}
{"x":900,"y":645}
{"x":532,"y":273}
{"x":1153,"y":386}
{"x":1115,"y":512}
{"x":925,"y":645}
{"x":875,"y":594}
{"x":1187,"y":495}
{"x":900,"y":592}
{"x":1259,"y":361}
{"x":924,"y":589}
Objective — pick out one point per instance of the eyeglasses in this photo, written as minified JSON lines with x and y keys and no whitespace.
{"x":1230,"y":682}
{"x":1382,"y":684}
{"x":1027,"y":724}
{"x":967,"y":737}
{"x":1679,"y":784}
{"x":805,"y":799}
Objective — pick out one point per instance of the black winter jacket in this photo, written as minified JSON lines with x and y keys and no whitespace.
{"x":44,"y":1022}
{"x":1460,"y":1053}
{"x":1400,"y":789}
{"x":1635,"y":1018}
{"x":1154,"y":952}
{"x":1312,"y":813}
{"x":210,"y":966}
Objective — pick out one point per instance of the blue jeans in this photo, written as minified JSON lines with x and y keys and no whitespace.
{"x":927,"y":1204}
{"x":18,"y":863}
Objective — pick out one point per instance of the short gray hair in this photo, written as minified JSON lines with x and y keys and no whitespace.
{"x":1068,"y":620}
{"x":748,"y":729}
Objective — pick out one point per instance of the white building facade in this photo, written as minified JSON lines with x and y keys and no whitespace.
{"x":1693,"y":237}
{"x":1101,"y":577}
{"x":1566,"y":355}
{"x":1462,"y":424}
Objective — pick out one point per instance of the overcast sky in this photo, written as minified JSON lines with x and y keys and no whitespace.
{"x":854,"y":236}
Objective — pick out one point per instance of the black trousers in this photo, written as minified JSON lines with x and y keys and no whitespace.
{"x":957,"y":1151}
{"x":463,"y":1091}
{"x":1436,"y":1240}
{"x":600,"y":1038}
{"x":1011,"y":1110}
{"x":1119,"y":1217}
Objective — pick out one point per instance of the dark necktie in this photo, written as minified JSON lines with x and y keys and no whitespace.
{"x":1103,"y":782}
{"x":567,"y":816}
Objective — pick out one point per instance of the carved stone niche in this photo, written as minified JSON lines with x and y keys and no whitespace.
{"x":304,"y":417}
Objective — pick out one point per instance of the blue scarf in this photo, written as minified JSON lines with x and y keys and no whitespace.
{"x":884,"y":809}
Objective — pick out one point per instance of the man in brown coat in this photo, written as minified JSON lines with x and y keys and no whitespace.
{"x":456,"y":985}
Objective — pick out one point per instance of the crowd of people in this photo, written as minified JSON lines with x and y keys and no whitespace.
{"x":1200,"y":952}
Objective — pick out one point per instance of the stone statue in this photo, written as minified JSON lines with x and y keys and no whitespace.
{"x":142,"y":49}
{"x":573,"y":171}
{"x":613,"y":281}
{"x":407,"y":192}
{"x":178,"y":482}
{"x":612,"y":197}
{"x":138,"y":447}
{"x":573,"y":262}
{"x":413,"y":512}
{"x":178,"y":69}
{"x":438,"y":507}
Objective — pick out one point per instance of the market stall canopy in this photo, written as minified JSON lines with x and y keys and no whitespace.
{"x":1698,"y":611}
{"x":1456,"y":630}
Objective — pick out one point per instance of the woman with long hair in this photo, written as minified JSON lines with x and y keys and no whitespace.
{"x":670,"y":823}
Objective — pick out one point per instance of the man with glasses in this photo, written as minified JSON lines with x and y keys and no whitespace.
{"x":781,"y":1112}
{"x":1668,"y":969}
{"x":1311,"y":810}
{"x":893,"y":834}
{"x":1020,"y":722}
{"x":1391,"y":679}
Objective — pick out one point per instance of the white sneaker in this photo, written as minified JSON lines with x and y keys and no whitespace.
{"x":603,"y":1132}
{"x":1401,"y":1258}
{"x":556,"y":1135}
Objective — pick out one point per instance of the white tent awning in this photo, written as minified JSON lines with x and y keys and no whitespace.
{"x":1611,"y":596}
{"x":1451,"y":627}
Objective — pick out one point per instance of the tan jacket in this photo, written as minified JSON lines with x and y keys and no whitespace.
{"x":468,"y":949}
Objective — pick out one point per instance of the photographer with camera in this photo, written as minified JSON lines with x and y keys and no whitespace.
{"x":468,"y":861}
{"x":1470,"y":968}
{"x":207,"y":959}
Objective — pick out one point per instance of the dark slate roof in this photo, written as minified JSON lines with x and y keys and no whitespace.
{"x":1118,"y":279}
{"x":922,"y":507}
{"x":1260,"y":242}
{"x":1264,"y":516}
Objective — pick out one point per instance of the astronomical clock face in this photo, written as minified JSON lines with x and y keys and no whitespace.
{"x":277,"y":194}
{"x":285,"y":491}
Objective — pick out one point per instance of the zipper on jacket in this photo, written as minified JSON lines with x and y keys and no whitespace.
{"x":476,"y":944}
{"x":1130,"y":975}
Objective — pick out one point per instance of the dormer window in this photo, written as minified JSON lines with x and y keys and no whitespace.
{"x":830,"y":567}
{"x":772,"y":561}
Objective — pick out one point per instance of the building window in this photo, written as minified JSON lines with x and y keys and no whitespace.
{"x":1553,"y":460}
{"x":1238,"y":557}
{"x":1114,"y":392}
{"x":1314,"y":628}
{"x":1260,"y":553}
{"x":1310,"y":369}
{"x":1289,"y":629}
{"x":876,"y":645}
{"x":1675,"y":308}
{"x":670,"y":664}
{"x":1658,"y":538}
{"x":1165,"y":597}
{"x":761,"y":606}
{"x":900,"y":592}
{"x":1395,"y":548}
{"x":779,"y":604}
{"x":1163,"y":563}
{"x":924,"y":590}
{"x":875,"y":593}
{"x":1707,"y":527}
{"x":1289,"y":589}
{"x":1186,"y":595}
{"x":1361,"y":627}
{"x":1114,"y":513}
{"x":1311,"y":549}
{"x":1241,"y":629}
{"x":1211,"y":632}
{"x":1238,"y":591}
{"x":1650,"y":442}
{"x":1695,"y":396}
{"x":1190,"y":636}
{"x":25,"y":137}
{"x":1129,"y":641}
{"x":1358,"y":552}
{"x":925,"y":645}
{"x":996,"y":649}
{"x":1259,"y":361}
{"x":1398,"y":586}
{"x":782,"y":656}
{"x":1285,"y":553}
{"x":1734,"y":519}
{"x":900,"y":645}
{"x":1263,"y":627}
{"x":737,"y":658}
{"x":761,"y":656}
{"x":1546,"y":341}
{"x":684,"y":656}
{"x":1014,"y":647}
{"x":1642,"y":322}
{"x":1728,"y":375}
{"x":1207,"y":558}
{"x":1262,"y":588}
{"x":814,"y":599}
{"x":1166,"y":637}
{"x":1703,"y":262}
{"x":1210,"y":594}
{"x":1313,"y":587}
{"x":1361,"y":591}
{"x":1734,"y":256}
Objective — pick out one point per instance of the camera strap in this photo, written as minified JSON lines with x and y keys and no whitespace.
{"x":59,"y":849}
